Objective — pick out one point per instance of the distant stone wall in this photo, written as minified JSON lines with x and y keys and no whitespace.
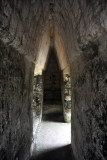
{"x":15,"y":105}
{"x":67,"y":99}
{"x":66,"y":96}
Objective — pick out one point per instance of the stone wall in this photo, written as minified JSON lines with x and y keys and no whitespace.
{"x":67,"y":98}
{"x":37,"y":105}
{"x":15,"y":105}
{"x":89,"y":112}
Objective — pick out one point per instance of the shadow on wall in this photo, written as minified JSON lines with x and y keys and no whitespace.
{"x":61,"y":153}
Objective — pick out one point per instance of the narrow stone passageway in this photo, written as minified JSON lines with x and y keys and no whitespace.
{"x":52,"y":106}
{"x":53,"y":72}
{"x":54,"y":137}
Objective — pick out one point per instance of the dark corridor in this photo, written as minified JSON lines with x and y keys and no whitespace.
{"x":52,"y":80}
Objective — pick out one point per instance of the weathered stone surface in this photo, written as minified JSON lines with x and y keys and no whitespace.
{"x":23,"y":23}
{"x":15,"y":105}
{"x":74,"y":22}
{"x":37,"y":107}
{"x":66,"y":91}
{"x":89,"y":120}
{"x":37,"y":104}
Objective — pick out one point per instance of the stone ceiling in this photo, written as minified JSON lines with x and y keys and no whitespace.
{"x":29,"y":26}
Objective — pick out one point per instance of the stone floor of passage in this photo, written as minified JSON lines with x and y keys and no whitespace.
{"x":53,"y":139}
